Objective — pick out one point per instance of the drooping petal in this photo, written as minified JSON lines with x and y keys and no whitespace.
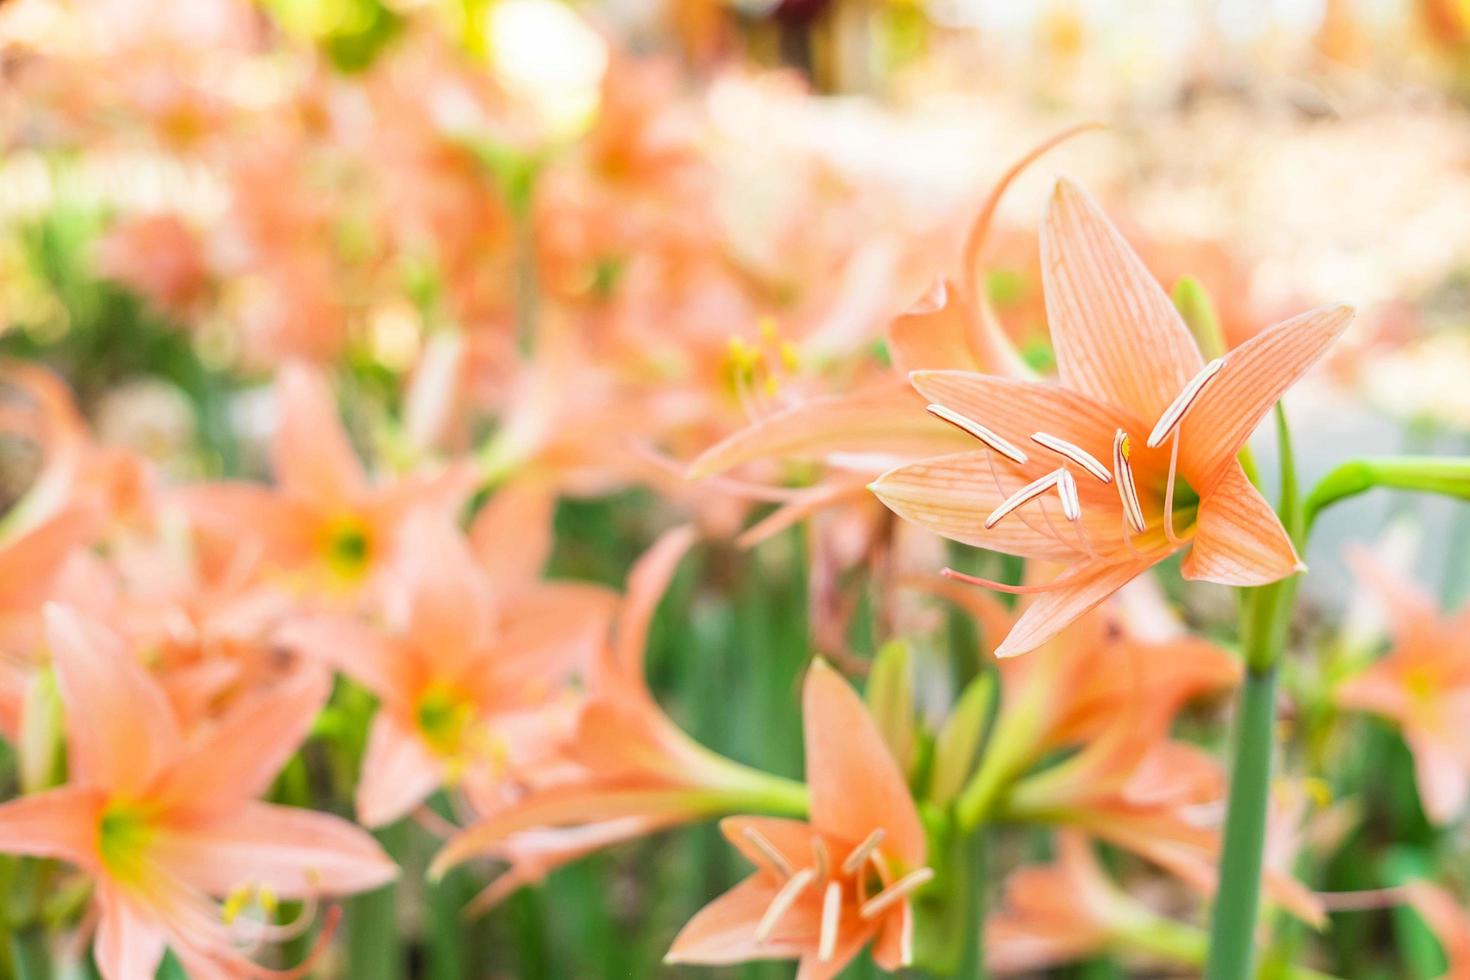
{"x":130,"y":941}
{"x":311,"y":455}
{"x":1255,"y":375}
{"x":398,"y":773}
{"x":121,"y":731}
{"x":1239,"y":539}
{"x":295,"y":853}
{"x":1079,"y":589}
{"x":59,"y":823}
{"x":236,"y":759}
{"x":548,"y":634}
{"x":724,"y":930}
{"x":933,"y":333}
{"x":1117,"y":336}
{"x":886,"y":420}
{"x":855,"y":783}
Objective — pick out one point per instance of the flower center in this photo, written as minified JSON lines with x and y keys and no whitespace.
{"x":862,"y":880}
{"x":123,"y":836}
{"x":445,"y":718}
{"x":348,"y":547}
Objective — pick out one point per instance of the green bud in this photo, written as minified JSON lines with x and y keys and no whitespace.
{"x":958,"y":742}
{"x":1193,"y":304}
{"x":890,"y":697}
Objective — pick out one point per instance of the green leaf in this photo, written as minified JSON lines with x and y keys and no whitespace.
{"x":959,"y":740}
{"x":890,"y":697}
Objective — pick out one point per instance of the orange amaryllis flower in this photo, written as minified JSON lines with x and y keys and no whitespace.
{"x":1423,"y":686}
{"x":625,"y":770}
{"x":824,"y":889}
{"x":328,"y":528}
{"x":164,"y":825}
{"x":460,"y":669}
{"x":1069,"y":910}
{"x":1131,"y":454}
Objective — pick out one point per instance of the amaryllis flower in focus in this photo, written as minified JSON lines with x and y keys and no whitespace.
{"x":826,"y":888}
{"x":473,"y":683}
{"x":1130,"y":456}
{"x":166,"y":825}
{"x":328,"y":529}
{"x":1423,"y":686}
{"x":624,"y":771}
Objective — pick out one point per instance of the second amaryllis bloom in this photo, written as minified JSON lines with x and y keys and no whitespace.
{"x":1130,"y":455}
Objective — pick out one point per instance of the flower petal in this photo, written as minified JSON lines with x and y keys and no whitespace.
{"x":120,"y":729}
{"x":1117,"y":336}
{"x":293,"y":852}
{"x":855,"y":784}
{"x":886,"y":420}
{"x":933,"y":333}
{"x":647,"y":583}
{"x":952,"y":496}
{"x":439,"y":594}
{"x":1239,"y":539}
{"x":724,"y":930}
{"x":311,"y":455}
{"x":130,"y":943}
{"x":1255,"y":375}
{"x":1078,"y":589}
{"x":351,"y":646}
{"x":511,"y":535}
{"x":59,"y":823}
{"x":236,"y":760}
{"x":792,"y":839}
{"x":398,"y":772}
{"x":1442,"y":777}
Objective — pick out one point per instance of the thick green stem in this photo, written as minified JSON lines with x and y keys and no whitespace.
{"x":374,"y":949}
{"x":1232,"y":927}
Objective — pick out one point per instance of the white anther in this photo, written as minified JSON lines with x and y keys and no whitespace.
{"x":779,"y":906}
{"x":763,"y":844}
{"x":1067,"y":490}
{"x":1174,"y":414}
{"x":895,"y":892}
{"x":831,"y":915}
{"x":1029,"y":492}
{"x":990,"y":437}
{"x":1127,"y":488}
{"x":854,"y":861}
{"x":1075,"y":453}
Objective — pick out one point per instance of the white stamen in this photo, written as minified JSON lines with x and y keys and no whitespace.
{"x":1174,"y":414}
{"x":1075,"y":453}
{"x":1030,"y":491}
{"x":990,"y":437}
{"x":763,"y":844}
{"x":819,"y":851}
{"x":895,"y":892}
{"x":1169,"y":493}
{"x":860,"y":853}
{"x":831,"y":913}
{"x":779,"y":906}
{"x":1127,"y":489}
{"x":1067,"y":490}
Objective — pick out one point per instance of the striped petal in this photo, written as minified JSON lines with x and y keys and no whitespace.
{"x":1117,"y":336}
{"x":1079,"y":589}
{"x":1239,"y":539}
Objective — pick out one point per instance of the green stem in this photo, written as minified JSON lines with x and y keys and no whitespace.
{"x":29,"y":956}
{"x":1232,"y":926}
{"x":374,"y":950}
